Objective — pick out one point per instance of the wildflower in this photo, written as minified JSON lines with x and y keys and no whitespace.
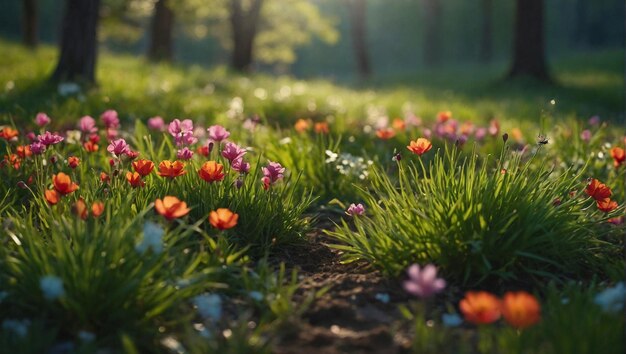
{"x":143,"y":167}
{"x":110,"y":119}
{"x":152,"y":238}
{"x":595,"y":120}
{"x":451,"y":319}
{"x":73,"y":161}
{"x":273,"y":172}
{"x":218,"y":133}
{"x":423,"y":282}
{"x":480,"y":307}
{"x":134,"y":179}
{"x":398,"y":124}
{"x":52,"y":287}
{"x":480,"y":133}
{"x":520,"y":309}
{"x":132,"y":154}
{"x":48,"y":138}
{"x":322,"y":128}
{"x":13,"y":160}
{"x":606,"y":205}
{"x":87,"y":125}
{"x":612,"y":299}
{"x":104,"y":178}
{"x":90,"y":146}
{"x":111,"y":133}
{"x":585,"y":135}
{"x":97,"y":208}
{"x":443,"y":116}
{"x":80,"y":209}
{"x":184,"y":154}
{"x":37,"y":148}
{"x":420,"y":146}
{"x":8,"y":133}
{"x":63,"y":183}
{"x":619,"y":156}
{"x":176,"y":127}
{"x":42,"y":119}
{"x":211,"y":171}
{"x":598,"y":190}
{"x":171,"y":169}
{"x":232,"y":151}
{"x":223,"y":219}
{"x":156,"y":123}
{"x":203,"y":150}
{"x":209,"y":306}
{"x":171,"y":207}
{"x":118,"y":147}
{"x":355,"y":209}
{"x":302,"y":125}
{"x":52,"y":196}
{"x":385,"y":133}
{"x":467,"y":128}
{"x":240,"y":165}
{"x":494,"y":127}
{"x":618,"y":220}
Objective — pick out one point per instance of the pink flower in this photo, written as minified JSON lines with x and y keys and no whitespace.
{"x":218,"y":133}
{"x":232,"y":152}
{"x":494,"y":127}
{"x":111,"y":133}
{"x":42,"y":119}
{"x":87,"y":125}
{"x":37,"y":148}
{"x":176,"y":127}
{"x":273,"y":172}
{"x":118,"y":147}
{"x":31,"y":137}
{"x":156,"y":123}
{"x":240,"y":166}
{"x":110,"y":119}
{"x":585,"y":135}
{"x":595,"y":120}
{"x":184,"y":154}
{"x":423,"y":282}
{"x":480,"y":133}
{"x":185,"y":138}
{"x":48,"y":138}
{"x":355,"y":209}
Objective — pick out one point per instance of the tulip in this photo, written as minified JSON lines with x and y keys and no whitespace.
{"x":171,"y":207}
{"x":598,"y":190}
{"x":171,"y":169}
{"x":118,"y":147}
{"x":420,"y":146}
{"x":211,"y":171}
{"x":42,"y":119}
{"x":218,"y":133}
{"x":134,"y":179}
{"x":63,"y":183}
{"x":223,"y":219}
{"x":110,"y":119}
{"x":73,"y":161}
{"x":520,"y":309}
{"x":480,"y":307}
{"x":143,"y":167}
{"x":606,"y":205}
{"x":97,"y":208}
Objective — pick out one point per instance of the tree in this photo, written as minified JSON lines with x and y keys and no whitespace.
{"x":244,"y":26}
{"x":432,"y":31}
{"x":529,"y":42}
{"x":29,"y":23}
{"x":78,"y":50}
{"x":486,"y":47}
{"x":357,"y":14}
{"x":161,"y":30}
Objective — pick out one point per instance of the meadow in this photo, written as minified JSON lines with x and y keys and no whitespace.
{"x":192,"y":210}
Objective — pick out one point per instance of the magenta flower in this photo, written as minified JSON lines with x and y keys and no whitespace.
{"x":240,"y":165}
{"x":595,"y":120}
{"x":176,"y":127}
{"x":184,"y":154}
{"x":423,"y":282}
{"x":218,"y":133}
{"x":232,"y":152}
{"x":185,"y":138}
{"x":87,"y":125}
{"x":32,"y":137}
{"x":480,"y":133}
{"x":118,"y":147}
{"x":273,"y":172}
{"x":110,"y":119}
{"x":37,"y":148}
{"x":355,"y":209}
{"x":42,"y":119}
{"x":156,"y":123}
{"x":48,"y":138}
{"x":585,"y":135}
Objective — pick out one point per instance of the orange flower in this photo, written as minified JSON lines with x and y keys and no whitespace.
{"x":90,"y":146}
{"x":8,"y":133}
{"x":52,"y":197}
{"x":63,"y":183}
{"x":398,"y":124}
{"x":24,"y":151}
{"x":171,"y":169}
{"x":443,"y":116}
{"x":520,"y":309}
{"x":223,"y":219}
{"x":619,"y":156}
{"x":134,"y":179}
{"x":480,"y":307}
{"x":143,"y":167}
{"x":606,"y":205}
{"x":420,"y":146}
{"x":211,"y":171}
{"x":385,"y":133}
{"x":171,"y":207}
{"x":104,"y":178}
{"x":322,"y":128}
{"x":73,"y":161}
{"x":80,"y":209}
{"x":13,"y":160}
{"x":597,"y":190}
{"x":302,"y":125}
{"x":97,"y":208}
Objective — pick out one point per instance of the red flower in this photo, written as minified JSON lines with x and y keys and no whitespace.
{"x":385,"y":133}
{"x":619,"y":156}
{"x":322,"y":128}
{"x":24,"y":151}
{"x":90,"y":146}
{"x":63,"y":183}
{"x":171,"y":207}
{"x":80,"y":209}
{"x":420,"y":146}
{"x":606,"y":205}
{"x":443,"y":116}
{"x":171,"y":169}
{"x":52,"y":196}
{"x":598,"y":190}
{"x":143,"y":167}
{"x":520,"y":309}
{"x":211,"y":171}
{"x":8,"y":133}
{"x":134,"y":179}
{"x":73,"y":161}
{"x":480,"y":307}
{"x":223,"y":219}
{"x":97,"y":208}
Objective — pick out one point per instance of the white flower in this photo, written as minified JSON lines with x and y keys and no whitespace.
{"x":152,"y":238}
{"x":19,"y":327}
{"x":612,"y":299}
{"x":52,"y":287}
{"x":285,"y":141}
{"x":451,"y":319}
{"x":209,"y":306}
{"x":73,"y":136}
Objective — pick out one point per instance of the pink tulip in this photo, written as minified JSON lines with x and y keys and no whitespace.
{"x":42,"y":119}
{"x":423,"y":282}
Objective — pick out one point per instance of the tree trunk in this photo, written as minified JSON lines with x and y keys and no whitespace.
{"x":29,"y":23}
{"x":486,"y":38}
{"x":432,"y":32}
{"x":529,"y":42}
{"x":77,"y":59}
{"x":244,"y":27}
{"x":358,"y":16}
{"x":162,"y":26}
